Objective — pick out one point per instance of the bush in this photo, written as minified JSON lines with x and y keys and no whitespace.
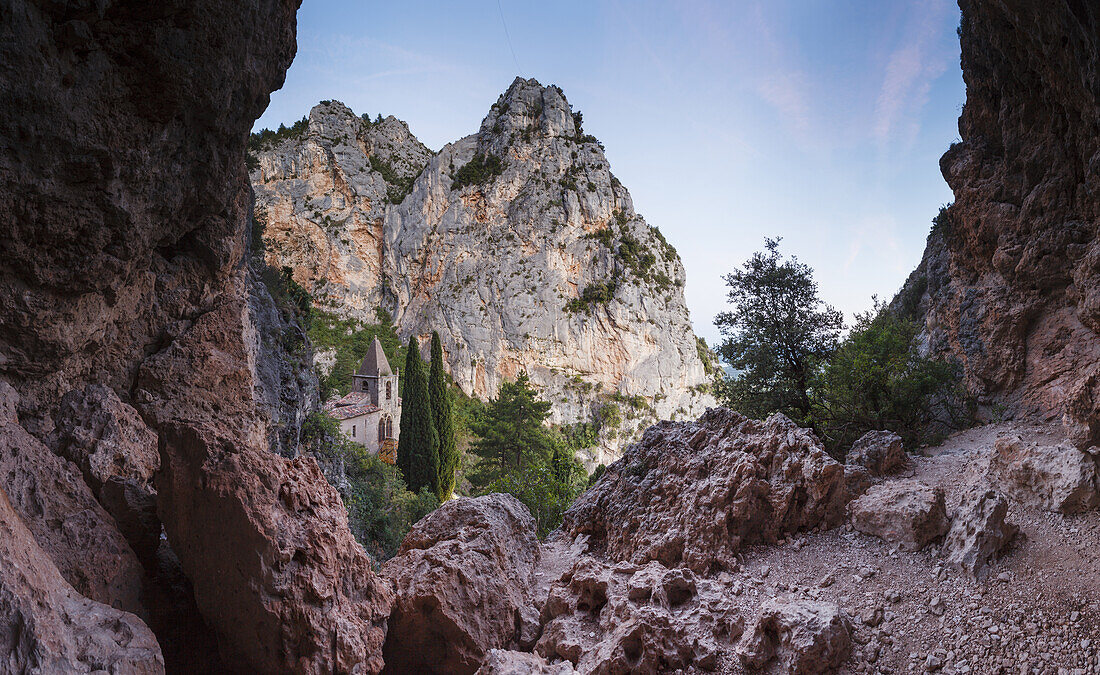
{"x":266,"y":138}
{"x":481,"y":169}
{"x":599,"y":293}
{"x":876,"y":379}
{"x":380,"y":510}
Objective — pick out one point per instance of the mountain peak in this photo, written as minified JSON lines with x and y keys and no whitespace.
{"x":526,"y":107}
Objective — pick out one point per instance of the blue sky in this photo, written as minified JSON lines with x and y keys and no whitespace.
{"x":820,"y":121}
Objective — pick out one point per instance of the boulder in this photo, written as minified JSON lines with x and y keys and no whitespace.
{"x":978,"y":533}
{"x":46,"y":626}
{"x":906,"y":512}
{"x":68,"y":523}
{"x":693,"y":493}
{"x":105,"y":437}
{"x":503,"y":662}
{"x":880,"y":452}
{"x":623,"y":618}
{"x":1057,"y":478}
{"x":463,"y":578}
{"x":803,"y":636}
{"x":263,"y":539}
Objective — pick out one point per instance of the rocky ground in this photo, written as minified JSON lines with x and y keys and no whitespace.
{"x":1038,"y":611}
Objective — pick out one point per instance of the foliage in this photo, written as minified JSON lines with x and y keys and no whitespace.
{"x":418,"y":443}
{"x":596,"y":474}
{"x":380,"y":509}
{"x":520,"y":456}
{"x":397,"y":186}
{"x":709,"y":359}
{"x":778,"y":336}
{"x":443,"y":419}
{"x":350,"y":339}
{"x":599,"y":293}
{"x":878,"y":380}
{"x":481,"y":169}
{"x":266,"y":138}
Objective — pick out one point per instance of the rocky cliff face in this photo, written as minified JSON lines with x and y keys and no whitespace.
{"x":142,"y":365}
{"x":516,"y":243}
{"x":1010,"y":281}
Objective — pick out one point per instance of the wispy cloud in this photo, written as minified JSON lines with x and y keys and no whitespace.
{"x":912,"y":67}
{"x":786,"y":92}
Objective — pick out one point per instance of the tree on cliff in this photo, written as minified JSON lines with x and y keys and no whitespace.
{"x":511,"y":434}
{"x":778,"y":335}
{"x":443,"y":419}
{"x":418,"y":445}
{"x":517,"y":454}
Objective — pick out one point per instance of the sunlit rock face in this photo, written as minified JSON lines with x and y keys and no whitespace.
{"x":1010,"y":281}
{"x":492,"y":265}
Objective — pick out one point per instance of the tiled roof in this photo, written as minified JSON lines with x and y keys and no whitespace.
{"x":346,"y":412}
{"x":353,"y":398}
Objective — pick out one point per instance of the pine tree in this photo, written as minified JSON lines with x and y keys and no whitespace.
{"x":511,"y":435}
{"x":443,"y":418}
{"x":418,"y":445}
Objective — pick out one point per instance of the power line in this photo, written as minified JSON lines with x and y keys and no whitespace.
{"x":519,"y":71}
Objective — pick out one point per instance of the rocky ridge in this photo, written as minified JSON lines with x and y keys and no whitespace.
{"x":1010,"y":276}
{"x":538,"y":263}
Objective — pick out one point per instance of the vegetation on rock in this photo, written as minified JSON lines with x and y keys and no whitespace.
{"x":418,"y":443}
{"x":443,"y":419}
{"x":381,"y":510}
{"x":481,"y":169}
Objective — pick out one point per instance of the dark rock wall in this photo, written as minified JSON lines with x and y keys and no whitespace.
{"x":1011,"y":275}
{"x":124,"y":223}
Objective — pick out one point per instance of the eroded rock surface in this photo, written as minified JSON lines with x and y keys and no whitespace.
{"x":504,"y":662}
{"x":692,"y":493}
{"x":1010,"y":280}
{"x":803,"y":636}
{"x":622,"y":618}
{"x":47,"y":627}
{"x":463,"y":579}
{"x":880,"y":452}
{"x":67,"y":522}
{"x":906,"y":512}
{"x":1055,"y":477}
{"x":978,"y":533}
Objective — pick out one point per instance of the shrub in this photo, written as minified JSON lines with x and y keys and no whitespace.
{"x":380,"y":510}
{"x":481,"y":169}
{"x":266,"y":138}
{"x":599,"y":293}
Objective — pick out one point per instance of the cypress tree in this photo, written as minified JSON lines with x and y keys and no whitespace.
{"x":443,"y":418}
{"x":418,"y":446}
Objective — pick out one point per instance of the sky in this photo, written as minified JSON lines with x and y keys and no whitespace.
{"x":818,"y":121}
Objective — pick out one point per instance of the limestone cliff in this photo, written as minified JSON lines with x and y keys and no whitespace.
{"x":516,"y":243}
{"x":1010,"y":281}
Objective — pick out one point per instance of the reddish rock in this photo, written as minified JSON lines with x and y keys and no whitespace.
{"x":906,"y":512}
{"x":1010,"y":280}
{"x":67,"y":522}
{"x":880,"y":452}
{"x":692,"y":493}
{"x":264,"y":540}
{"x":504,"y":662}
{"x":47,"y":627}
{"x":622,"y":618}
{"x":978,"y":533}
{"x":1057,"y":478}
{"x":463,"y":581}
{"x":803,"y":636}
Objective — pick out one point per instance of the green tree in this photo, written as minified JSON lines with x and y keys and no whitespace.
{"x":418,"y":446}
{"x":510,"y":433}
{"x":877,"y":379}
{"x":778,"y":335}
{"x":443,"y":418}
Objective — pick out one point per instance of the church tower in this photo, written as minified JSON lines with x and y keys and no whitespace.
{"x":376,"y":379}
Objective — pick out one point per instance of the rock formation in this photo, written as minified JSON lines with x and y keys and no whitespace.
{"x":978,"y":533}
{"x":906,"y":512}
{"x":124,"y":222}
{"x":1010,"y":280}
{"x":612,"y":620}
{"x":47,"y":627}
{"x":539,"y":263}
{"x":1057,"y":477}
{"x":692,"y":493}
{"x":880,"y":452}
{"x":463,"y":578}
{"x":803,"y":636}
